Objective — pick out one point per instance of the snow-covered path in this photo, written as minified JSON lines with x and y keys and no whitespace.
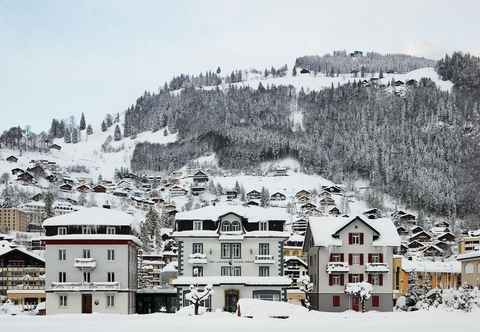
{"x":314,"y":321}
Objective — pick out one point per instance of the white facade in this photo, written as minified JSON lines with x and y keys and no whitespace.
{"x":230,"y":253}
{"x":90,"y":273}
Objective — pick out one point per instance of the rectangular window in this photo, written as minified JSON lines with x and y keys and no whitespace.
{"x":111,"y":254}
{"x":355,"y":238}
{"x":263,"y":226}
{"x":110,"y":230}
{"x":375,"y":301}
{"x":234,"y":271}
{"x":231,"y":250}
{"x":86,"y":277}
{"x":62,"y":300}
{"x":86,"y":253}
{"x":263,"y":249}
{"x":62,"y":254}
{"x":197,"y":248}
{"x":264,"y":271}
{"x":197,"y":225}
{"x":336,"y":257}
{"x":86,"y":230}
{"x":111,"y":276}
{"x":62,"y":231}
{"x":110,"y":300}
{"x":336,"y":300}
{"x":356,"y":259}
{"x":355,"y":278}
{"x":197,"y":271}
{"x":62,"y":276}
{"x":375,"y":258}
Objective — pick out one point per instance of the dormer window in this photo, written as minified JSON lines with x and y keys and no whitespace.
{"x":197,"y":225}
{"x":110,"y":230}
{"x":62,"y":231}
{"x":235,"y":226}
{"x":87,"y":230}
{"x":231,"y":226}
{"x":225,"y":226}
{"x":263,"y":226}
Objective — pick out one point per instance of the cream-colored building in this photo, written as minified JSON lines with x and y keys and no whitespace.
{"x":469,"y":243}
{"x":13,"y":220}
{"x":470,"y":268}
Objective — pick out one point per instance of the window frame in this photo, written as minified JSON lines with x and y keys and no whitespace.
{"x":199,"y":270}
{"x":111,"y":230}
{"x":110,"y":276}
{"x":62,"y":254}
{"x":263,"y":225}
{"x":110,"y":300}
{"x":110,"y":255}
{"x":62,"y":301}
{"x":86,"y":253}
{"x":262,"y":270}
{"x":62,"y":230}
{"x":264,"y":249}
{"x":197,"y":225}
{"x":196,"y":246}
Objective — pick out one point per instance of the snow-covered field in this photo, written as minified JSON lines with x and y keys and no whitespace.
{"x":424,"y":321}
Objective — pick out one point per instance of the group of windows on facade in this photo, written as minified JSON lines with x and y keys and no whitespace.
{"x":86,"y":253}
{"x":109,"y":301}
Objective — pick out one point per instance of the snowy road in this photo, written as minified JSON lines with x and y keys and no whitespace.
{"x":392,"y":322}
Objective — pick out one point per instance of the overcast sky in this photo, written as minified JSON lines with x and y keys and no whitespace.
{"x":61,"y":58}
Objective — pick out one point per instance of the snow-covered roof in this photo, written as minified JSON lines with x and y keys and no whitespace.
{"x":420,"y":265}
{"x":219,"y":280}
{"x":4,"y":251}
{"x":94,"y":237}
{"x":323,"y":229}
{"x":262,"y":234}
{"x":252,"y":213}
{"x":469,"y":255}
{"x":92,"y":216}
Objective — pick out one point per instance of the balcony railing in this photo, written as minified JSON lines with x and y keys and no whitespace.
{"x":377,"y":267}
{"x":85,"y":263}
{"x":85,"y":285}
{"x":197,"y":258}
{"x":337,"y":267}
{"x":264,"y":259}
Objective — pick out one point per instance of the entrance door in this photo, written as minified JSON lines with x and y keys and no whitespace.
{"x":231,"y":299}
{"x":355,"y":303}
{"x":86,"y":303}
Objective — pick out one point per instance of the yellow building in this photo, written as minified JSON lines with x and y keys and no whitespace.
{"x":26,"y":297}
{"x":469,"y":243}
{"x":470,"y":268}
{"x":13,"y":220}
{"x":420,"y":272}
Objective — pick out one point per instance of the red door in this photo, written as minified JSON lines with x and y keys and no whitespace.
{"x":355,"y":303}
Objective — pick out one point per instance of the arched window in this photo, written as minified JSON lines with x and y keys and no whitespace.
{"x":235,"y":226}
{"x":226,"y":226}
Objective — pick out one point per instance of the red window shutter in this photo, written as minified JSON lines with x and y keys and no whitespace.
{"x":361,"y":238}
{"x":336,"y":301}
{"x":369,"y":258}
{"x":361,"y":259}
{"x":342,"y":257}
{"x":361,"y":277}
{"x":331,"y":257}
{"x":330,"y":280}
{"x":342,"y":280}
{"x":349,"y":278}
{"x":350,"y":259}
{"x":375,"y":301}
{"x":369,"y":278}
{"x":350,"y":238}
{"x":381,"y":258}
{"x":380,"y":279}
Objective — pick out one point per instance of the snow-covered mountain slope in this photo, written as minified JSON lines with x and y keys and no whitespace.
{"x":311,"y":82}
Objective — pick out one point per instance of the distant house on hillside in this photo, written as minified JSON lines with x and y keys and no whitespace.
{"x":177,"y":191}
{"x":254,"y":194}
{"x":356,"y":54}
{"x":303,"y":193}
{"x":16,"y":171}
{"x":281,"y":171}
{"x":25,"y":177}
{"x":304,"y":71}
{"x":66,"y":187}
{"x":100,"y":188}
{"x":37,"y":171}
{"x":83,"y":188}
{"x":12,"y":159}
{"x":278,"y":196}
{"x":200,"y":177}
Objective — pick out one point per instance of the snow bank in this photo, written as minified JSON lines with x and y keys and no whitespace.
{"x":270,"y":309}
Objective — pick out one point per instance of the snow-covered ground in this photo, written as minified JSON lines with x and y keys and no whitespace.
{"x":425,"y":321}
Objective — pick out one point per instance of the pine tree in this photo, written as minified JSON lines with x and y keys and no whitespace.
{"x":75,"y":136}
{"x":67,"y":136}
{"x":294,"y":71}
{"x":117,"y":136}
{"x":109,"y":120}
{"x":237,"y":187}
{"x":147,"y":244}
{"x":49,"y":199}
{"x":381,"y":74}
{"x":218,"y":70}
{"x":265,"y":197}
{"x":83,"y":124}
{"x":104,"y":126}
{"x":89,"y":130}
{"x":82,"y":199}
{"x":211,"y":187}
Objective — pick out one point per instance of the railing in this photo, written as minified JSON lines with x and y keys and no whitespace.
{"x":264,"y":259}
{"x":337,"y":267}
{"x":197,"y":258}
{"x":85,"y":285}
{"x":377,"y":267}
{"x":85,"y":263}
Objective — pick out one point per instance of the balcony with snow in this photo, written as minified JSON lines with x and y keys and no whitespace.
{"x":197,"y":258}
{"x":377,"y":267}
{"x":264,"y":259}
{"x":85,"y":263}
{"x":76,"y":286}
{"x":337,"y":267}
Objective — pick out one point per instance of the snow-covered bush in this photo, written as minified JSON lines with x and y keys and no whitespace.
{"x":464,"y":299}
{"x":306,"y":286}
{"x":8,"y":308}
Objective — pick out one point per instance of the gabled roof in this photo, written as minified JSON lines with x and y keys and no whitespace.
{"x":322,"y":230}
{"x":252,"y":213}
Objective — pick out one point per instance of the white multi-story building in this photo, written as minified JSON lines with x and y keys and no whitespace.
{"x":344,"y":250}
{"x":91,"y":262}
{"x":236,"y":249}
{"x":36,"y":210}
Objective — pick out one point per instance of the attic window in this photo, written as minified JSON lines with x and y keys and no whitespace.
{"x":197,"y":225}
{"x":263,"y":226}
{"x":62,"y":230}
